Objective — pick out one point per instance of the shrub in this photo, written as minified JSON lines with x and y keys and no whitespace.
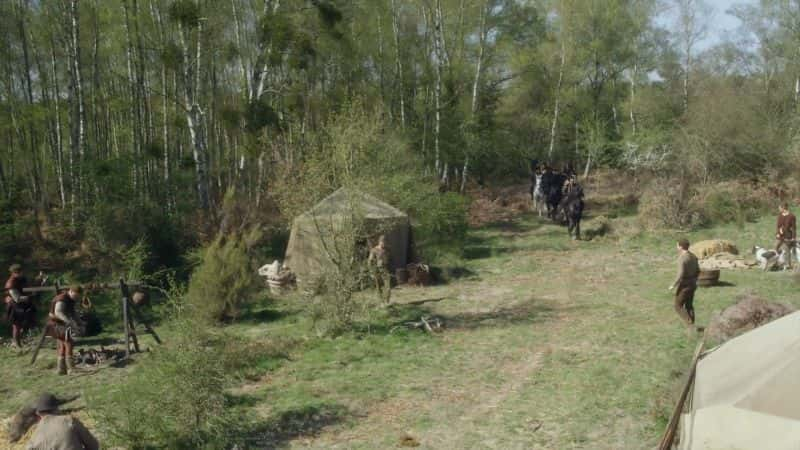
{"x":666,"y":203}
{"x":733,"y":202}
{"x":332,"y":294}
{"x":174,"y":401}
{"x":222,"y":281}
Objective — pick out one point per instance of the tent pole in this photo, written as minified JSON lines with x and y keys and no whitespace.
{"x":669,"y":435}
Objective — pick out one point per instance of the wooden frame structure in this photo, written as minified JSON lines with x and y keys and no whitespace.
{"x":130,"y":315}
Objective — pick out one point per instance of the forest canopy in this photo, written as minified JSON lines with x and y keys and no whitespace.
{"x":115,"y":110}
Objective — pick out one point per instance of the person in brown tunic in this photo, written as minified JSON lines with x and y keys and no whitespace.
{"x":61,"y":325}
{"x":685,"y":284}
{"x":20,"y":310}
{"x":379,"y":264}
{"x":785,"y":229}
{"x":59,"y":432}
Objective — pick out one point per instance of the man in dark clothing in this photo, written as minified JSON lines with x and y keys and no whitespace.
{"x":62,"y":324}
{"x":785,"y":230}
{"x":685,"y":285}
{"x":20,"y":310}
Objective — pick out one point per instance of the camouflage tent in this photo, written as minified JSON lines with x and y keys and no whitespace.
{"x":317,"y":232}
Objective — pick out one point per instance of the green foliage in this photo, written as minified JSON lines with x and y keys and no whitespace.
{"x":222,"y":281}
{"x":666,"y":204}
{"x":331,"y":295}
{"x":185,"y":12}
{"x":259,"y":115}
{"x":175,"y":401}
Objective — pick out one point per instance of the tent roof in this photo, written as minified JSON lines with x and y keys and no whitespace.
{"x":752,"y":368}
{"x":731,"y":428}
{"x":748,"y":386}
{"x":345,"y":198}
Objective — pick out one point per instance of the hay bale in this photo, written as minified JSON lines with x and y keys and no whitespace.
{"x":704,"y":249}
{"x":727,"y":260}
{"x":748,"y":313}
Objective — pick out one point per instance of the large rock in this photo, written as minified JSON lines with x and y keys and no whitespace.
{"x":704,"y":249}
{"x":748,"y":313}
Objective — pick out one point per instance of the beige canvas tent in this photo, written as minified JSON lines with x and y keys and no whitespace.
{"x":314,"y":232}
{"x":747,"y":392}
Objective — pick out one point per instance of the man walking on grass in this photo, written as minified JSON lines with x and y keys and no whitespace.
{"x":20,"y":310}
{"x":685,"y":285}
{"x":62,"y":325}
{"x":786,"y":230}
{"x":379,"y":264}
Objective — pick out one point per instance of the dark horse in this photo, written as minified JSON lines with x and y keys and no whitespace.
{"x":571,"y":209}
{"x":553,"y":189}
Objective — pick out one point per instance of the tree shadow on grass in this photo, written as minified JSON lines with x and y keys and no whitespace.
{"x":479,"y":247}
{"x":524,"y":312}
{"x":261,"y":315}
{"x":282,"y":428}
{"x":104,"y":341}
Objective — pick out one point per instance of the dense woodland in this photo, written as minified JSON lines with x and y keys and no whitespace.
{"x":172,"y":141}
{"x":147,"y":112}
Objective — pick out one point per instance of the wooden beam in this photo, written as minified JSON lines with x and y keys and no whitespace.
{"x":124,"y":290}
{"x":33,"y":290}
{"x":672,"y":426}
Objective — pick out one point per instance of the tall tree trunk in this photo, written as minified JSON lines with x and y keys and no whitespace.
{"x":194,"y":116}
{"x":78,"y":138}
{"x":634,"y":76}
{"x":556,"y":109}
{"x":59,"y":141}
{"x":399,"y":63}
{"x":31,"y":131}
{"x":476,"y":82}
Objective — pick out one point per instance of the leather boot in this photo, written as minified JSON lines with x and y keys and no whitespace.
{"x":61,"y":366}
{"x":69,"y":366}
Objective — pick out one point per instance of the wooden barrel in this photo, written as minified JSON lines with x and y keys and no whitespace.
{"x":401,"y":275}
{"x":708,"y":278}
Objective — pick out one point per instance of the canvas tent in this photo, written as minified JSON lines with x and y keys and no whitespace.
{"x":747,"y":392}
{"x":313,"y":232}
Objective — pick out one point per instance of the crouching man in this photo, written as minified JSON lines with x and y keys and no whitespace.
{"x":685,"y":285}
{"x":59,"y":432}
{"x":62,"y":325}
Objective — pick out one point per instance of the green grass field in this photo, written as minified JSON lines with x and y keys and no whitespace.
{"x":547,"y":343}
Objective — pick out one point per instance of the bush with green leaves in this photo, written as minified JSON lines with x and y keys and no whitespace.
{"x":332,"y":294}
{"x":666,"y":203}
{"x":359,"y":150}
{"x":223,"y":279}
{"x":175,"y":400}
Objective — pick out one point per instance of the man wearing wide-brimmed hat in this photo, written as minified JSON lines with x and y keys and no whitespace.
{"x":20,"y":310}
{"x":62,"y":324}
{"x":59,"y":432}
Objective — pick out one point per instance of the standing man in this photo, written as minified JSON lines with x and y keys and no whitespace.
{"x":59,"y":432}
{"x":379,"y":263}
{"x":62,"y":325}
{"x":786,"y":229}
{"x":20,"y":310}
{"x":685,"y":285}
